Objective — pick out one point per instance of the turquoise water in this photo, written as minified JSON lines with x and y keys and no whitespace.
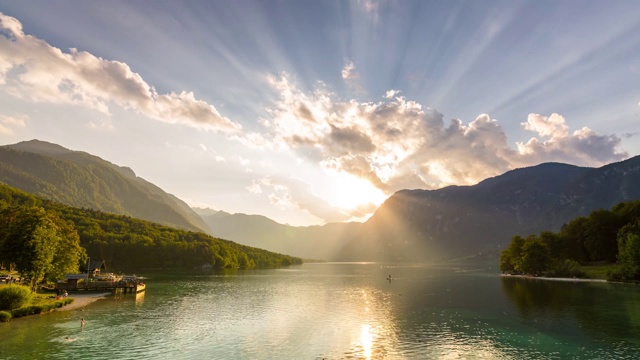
{"x":342,"y":311}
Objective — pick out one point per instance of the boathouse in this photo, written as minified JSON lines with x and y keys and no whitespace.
{"x":95,"y":267}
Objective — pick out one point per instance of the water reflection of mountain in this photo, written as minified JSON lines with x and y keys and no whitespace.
{"x":602,"y":310}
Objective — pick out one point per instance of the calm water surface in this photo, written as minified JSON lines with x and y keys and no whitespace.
{"x":342,"y":311}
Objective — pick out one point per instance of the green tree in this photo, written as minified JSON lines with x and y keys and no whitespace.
{"x":629,"y":252}
{"x":38,"y":243}
{"x":600,"y":235}
{"x":511,"y":257}
{"x":535,"y":256}
{"x":557,"y":247}
{"x":572,"y":235}
{"x":69,"y":255}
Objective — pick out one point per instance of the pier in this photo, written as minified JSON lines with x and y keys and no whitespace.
{"x":95,"y":279}
{"x":81,"y":282}
{"x":115,"y":286}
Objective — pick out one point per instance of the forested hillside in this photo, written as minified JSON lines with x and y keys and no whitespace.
{"x":128,"y":243}
{"x":82,"y":180}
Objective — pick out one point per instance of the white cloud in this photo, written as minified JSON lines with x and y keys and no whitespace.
{"x":390,"y":94}
{"x":349,"y":71}
{"x":351,"y":77}
{"x":397,"y":143}
{"x":553,"y":126}
{"x":34,"y":70}
{"x":9,"y":123}
{"x":254,"y":188}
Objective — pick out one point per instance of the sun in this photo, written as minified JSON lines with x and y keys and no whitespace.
{"x":349,"y":192}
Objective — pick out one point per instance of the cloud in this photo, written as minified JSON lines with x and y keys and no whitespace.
{"x":352,"y":78}
{"x":584,"y":146}
{"x":553,"y":126}
{"x":254,"y":188}
{"x":348,"y":72}
{"x":397,"y":143}
{"x":32,"y":69}
{"x":9,"y":123}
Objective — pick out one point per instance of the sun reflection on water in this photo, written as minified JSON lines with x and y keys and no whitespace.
{"x":366,"y":340}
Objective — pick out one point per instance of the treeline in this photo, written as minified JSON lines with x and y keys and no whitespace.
{"x":128,"y":243}
{"x":608,"y":236}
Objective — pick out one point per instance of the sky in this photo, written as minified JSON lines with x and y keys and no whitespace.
{"x":311,"y":112}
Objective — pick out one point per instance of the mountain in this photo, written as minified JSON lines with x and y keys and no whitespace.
{"x":456,"y":221}
{"x":123,"y":242}
{"x":83,"y":180}
{"x":311,"y":242}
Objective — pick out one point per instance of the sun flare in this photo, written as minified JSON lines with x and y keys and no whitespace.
{"x":350,"y":192}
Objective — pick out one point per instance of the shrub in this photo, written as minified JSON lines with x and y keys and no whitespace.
{"x":19,"y":312}
{"x":68,"y":301}
{"x":568,"y":268}
{"x":36,"y":309}
{"x":5,"y":316}
{"x":624,"y":273}
{"x":14,"y":296}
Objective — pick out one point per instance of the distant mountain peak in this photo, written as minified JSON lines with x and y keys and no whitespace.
{"x":206,"y":211}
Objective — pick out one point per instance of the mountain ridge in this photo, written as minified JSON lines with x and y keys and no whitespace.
{"x":416,"y":225}
{"x":451,"y":222}
{"x":79,"y":179}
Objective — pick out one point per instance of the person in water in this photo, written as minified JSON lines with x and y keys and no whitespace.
{"x":82,"y":322}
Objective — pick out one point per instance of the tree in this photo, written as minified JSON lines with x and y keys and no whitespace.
{"x":573,"y":234}
{"x":69,"y":255}
{"x":510,"y":258}
{"x":629,"y":252}
{"x":37,"y":242}
{"x":601,"y":231}
{"x":535,"y":256}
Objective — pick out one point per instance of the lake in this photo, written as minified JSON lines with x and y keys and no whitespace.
{"x":342,"y":311}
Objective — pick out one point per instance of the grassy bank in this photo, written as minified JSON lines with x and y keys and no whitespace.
{"x":599,"y":271}
{"x":35,"y":303}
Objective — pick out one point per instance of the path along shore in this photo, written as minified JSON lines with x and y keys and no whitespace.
{"x":82,"y":300}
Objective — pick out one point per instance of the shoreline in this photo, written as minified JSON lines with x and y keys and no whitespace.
{"x":555,"y":279}
{"x":82,"y":300}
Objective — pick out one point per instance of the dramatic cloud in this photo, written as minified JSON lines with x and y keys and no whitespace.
{"x":583,"y":146}
{"x":34,"y":70}
{"x":396,"y":143}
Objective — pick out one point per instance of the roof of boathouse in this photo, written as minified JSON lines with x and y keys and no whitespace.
{"x":96,"y":265}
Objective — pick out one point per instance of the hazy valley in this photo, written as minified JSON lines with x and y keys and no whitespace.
{"x":412,"y":225}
